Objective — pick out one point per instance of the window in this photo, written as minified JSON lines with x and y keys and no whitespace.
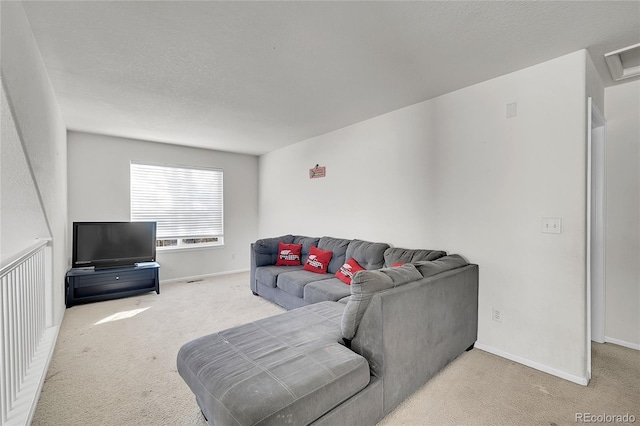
{"x":186,"y":203}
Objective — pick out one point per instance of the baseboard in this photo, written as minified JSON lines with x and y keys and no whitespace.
{"x":536,"y":365}
{"x":200,"y":277}
{"x":619,"y":342}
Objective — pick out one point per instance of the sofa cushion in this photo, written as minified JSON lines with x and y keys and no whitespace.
{"x":270,"y":245}
{"x":266,"y":249}
{"x":318,"y":260}
{"x":289,"y":254}
{"x":268,"y":275}
{"x":338,"y":247}
{"x":365,"y":284}
{"x":307,"y":243}
{"x":445,"y":263}
{"x":346,"y":271}
{"x":400,"y":255}
{"x":293,"y":282}
{"x":369,"y":255}
{"x":288,"y":368}
{"x":332,"y":289}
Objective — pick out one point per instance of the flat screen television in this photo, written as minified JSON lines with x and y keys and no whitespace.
{"x":113,"y":244}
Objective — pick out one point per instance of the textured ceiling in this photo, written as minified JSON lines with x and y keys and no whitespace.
{"x":252,"y":77}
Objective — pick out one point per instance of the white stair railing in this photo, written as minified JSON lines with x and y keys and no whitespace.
{"x":27,"y":334}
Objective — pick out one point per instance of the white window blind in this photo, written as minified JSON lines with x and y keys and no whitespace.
{"x":184,"y":201}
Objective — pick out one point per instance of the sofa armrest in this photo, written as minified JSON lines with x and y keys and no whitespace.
{"x":409,"y":333}
{"x":264,"y":252}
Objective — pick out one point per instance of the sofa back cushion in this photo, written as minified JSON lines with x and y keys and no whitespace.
{"x":368,"y":255}
{"x":394,"y":255}
{"x":266,"y":249}
{"x":364,"y":285}
{"x":338,"y":247}
{"x":446,"y":263}
{"x":307,"y":243}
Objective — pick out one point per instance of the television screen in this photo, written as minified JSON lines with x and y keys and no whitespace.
{"x":112,"y":244}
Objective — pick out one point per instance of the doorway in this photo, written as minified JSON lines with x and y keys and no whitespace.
{"x":596,"y":199}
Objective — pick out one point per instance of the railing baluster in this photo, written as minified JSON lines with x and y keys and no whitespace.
{"x":20,"y":324}
{"x":11,"y":339}
{"x":4,"y":391}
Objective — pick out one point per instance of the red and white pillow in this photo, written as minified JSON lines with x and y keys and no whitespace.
{"x":318,"y":260}
{"x":289,"y":254}
{"x":346,"y":271}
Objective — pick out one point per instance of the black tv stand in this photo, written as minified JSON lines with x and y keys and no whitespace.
{"x":94,"y":285}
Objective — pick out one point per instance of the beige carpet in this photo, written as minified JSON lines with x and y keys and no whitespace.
{"x":108,"y":371}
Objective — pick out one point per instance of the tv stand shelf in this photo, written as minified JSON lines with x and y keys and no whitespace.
{"x":94,"y":285}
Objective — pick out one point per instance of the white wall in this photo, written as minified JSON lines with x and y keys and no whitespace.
{"x":36,"y":124}
{"x":454,"y":173}
{"x":99,"y":190}
{"x":622,"y":322}
{"x":22,"y":219}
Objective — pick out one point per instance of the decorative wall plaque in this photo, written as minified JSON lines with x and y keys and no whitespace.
{"x":317,"y":172}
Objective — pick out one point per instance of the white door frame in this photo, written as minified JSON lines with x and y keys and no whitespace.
{"x":596,"y":193}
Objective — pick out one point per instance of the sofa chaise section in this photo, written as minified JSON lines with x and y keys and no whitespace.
{"x":287,"y":369}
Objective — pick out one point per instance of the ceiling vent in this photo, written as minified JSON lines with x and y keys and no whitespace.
{"x":624,"y":63}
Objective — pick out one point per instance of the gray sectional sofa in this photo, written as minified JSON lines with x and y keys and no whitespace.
{"x":345,"y":360}
{"x":292,"y":287}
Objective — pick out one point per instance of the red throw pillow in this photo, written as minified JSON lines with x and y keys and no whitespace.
{"x":318,"y":260}
{"x":288,"y":254}
{"x":346,"y":271}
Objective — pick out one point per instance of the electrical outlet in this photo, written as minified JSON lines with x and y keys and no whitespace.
{"x":496,"y":315}
{"x":551,"y":225}
{"x":233,"y":256}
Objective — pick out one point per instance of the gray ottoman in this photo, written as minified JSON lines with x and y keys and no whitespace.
{"x":286,"y":369}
